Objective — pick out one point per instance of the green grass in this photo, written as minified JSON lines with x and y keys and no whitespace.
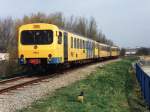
{"x":109,"y":89}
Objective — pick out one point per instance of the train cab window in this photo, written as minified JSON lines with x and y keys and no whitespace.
{"x":36,"y":37}
{"x":71,"y":42}
{"x":60,"y":38}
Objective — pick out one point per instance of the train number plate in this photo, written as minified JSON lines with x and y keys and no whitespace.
{"x":35,"y":61}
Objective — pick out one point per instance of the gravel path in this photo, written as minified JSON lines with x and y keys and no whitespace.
{"x":23,"y":97}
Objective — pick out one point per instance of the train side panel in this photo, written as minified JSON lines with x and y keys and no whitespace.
{"x":104,"y":51}
{"x":114,"y":52}
{"x":76,"y":49}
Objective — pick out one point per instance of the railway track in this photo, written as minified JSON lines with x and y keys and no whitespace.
{"x":22,"y":81}
{"x":19,"y":82}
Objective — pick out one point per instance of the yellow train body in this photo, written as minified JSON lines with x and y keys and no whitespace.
{"x":115,"y":51}
{"x":48,"y":43}
{"x":104,"y":51}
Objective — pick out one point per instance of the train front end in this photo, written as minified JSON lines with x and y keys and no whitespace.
{"x":37,"y":44}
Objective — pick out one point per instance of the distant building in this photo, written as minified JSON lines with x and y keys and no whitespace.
{"x":130,"y":52}
{"x":4,"y":56}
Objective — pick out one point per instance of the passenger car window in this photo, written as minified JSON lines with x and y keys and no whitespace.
{"x":83,"y":45}
{"x":75,"y":44}
{"x":71,"y":42}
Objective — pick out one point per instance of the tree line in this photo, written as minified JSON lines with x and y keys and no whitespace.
{"x":79,"y":25}
{"x":143,"y":51}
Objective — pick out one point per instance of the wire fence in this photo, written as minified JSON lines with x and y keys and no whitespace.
{"x":144,"y":81}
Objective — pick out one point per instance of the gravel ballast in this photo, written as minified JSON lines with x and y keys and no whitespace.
{"x":23,"y":97}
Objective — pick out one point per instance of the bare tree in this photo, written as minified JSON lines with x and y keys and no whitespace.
{"x":6,"y":32}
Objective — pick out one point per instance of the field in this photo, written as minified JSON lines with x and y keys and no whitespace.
{"x":112,"y":88}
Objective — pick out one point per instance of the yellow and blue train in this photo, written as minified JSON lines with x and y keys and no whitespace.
{"x":47,"y":44}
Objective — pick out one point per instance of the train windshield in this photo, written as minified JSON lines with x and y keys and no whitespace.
{"x":35,"y":37}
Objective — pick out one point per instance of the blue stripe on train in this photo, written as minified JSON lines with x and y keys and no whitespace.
{"x":54,"y":61}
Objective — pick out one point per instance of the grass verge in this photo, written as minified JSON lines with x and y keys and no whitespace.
{"x":109,"y":89}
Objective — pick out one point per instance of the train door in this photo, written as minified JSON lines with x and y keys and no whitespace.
{"x":98,"y":50}
{"x":65,"y":47}
{"x":87,"y":49}
{"x":93,"y":48}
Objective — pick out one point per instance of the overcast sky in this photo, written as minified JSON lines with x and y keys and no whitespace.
{"x":126,"y":22}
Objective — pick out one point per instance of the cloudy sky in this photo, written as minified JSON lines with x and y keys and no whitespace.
{"x":126,"y":22}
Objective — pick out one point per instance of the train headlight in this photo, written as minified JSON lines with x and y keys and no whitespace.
{"x":50,"y":56}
